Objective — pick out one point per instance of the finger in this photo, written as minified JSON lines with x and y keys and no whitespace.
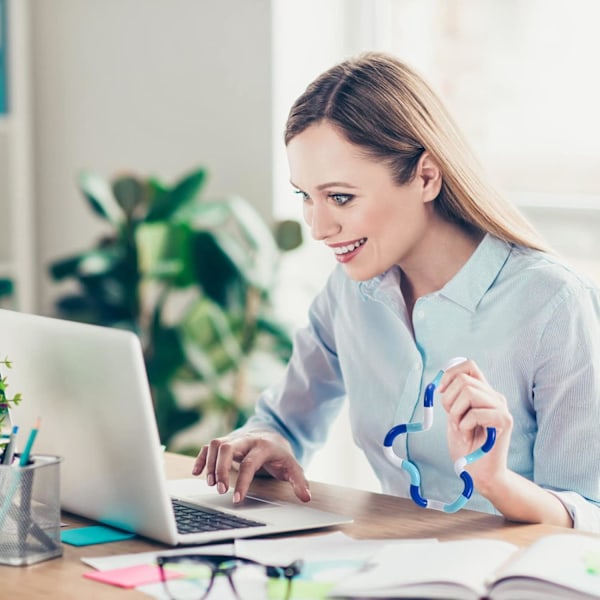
{"x":212,"y":456}
{"x":200,"y":461}
{"x":469,"y":396}
{"x":486,"y":417}
{"x":293,"y":473}
{"x":466,"y":367}
{"x":459,"y":385}
{"x":249,"y":465}
{"x":223,"y":463}
{"x":464,"y":394}
{"x":299,"y":483}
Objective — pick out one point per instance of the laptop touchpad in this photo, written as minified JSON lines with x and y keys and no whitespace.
{"x":197,"y":491}
{"x":225,"y":501}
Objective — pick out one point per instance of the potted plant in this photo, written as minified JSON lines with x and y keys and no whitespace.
{"x":193,"y":277}
{"x":5,"y":403}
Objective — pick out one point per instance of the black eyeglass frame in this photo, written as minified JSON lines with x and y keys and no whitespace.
{"x":215,"y":562}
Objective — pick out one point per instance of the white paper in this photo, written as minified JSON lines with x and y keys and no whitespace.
{"x":397,"y":568}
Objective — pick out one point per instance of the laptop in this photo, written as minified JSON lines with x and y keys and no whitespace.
{"x":88,"y":384}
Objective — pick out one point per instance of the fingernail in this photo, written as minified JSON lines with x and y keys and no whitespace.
{"x":236,"y":497}
{"x":210,"y":479}
{"x":221,"y":487}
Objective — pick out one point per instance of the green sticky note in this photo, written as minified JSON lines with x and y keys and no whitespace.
{"x":300,"y":590}
{"x":96,"y":534}
{"x":592,"y":563}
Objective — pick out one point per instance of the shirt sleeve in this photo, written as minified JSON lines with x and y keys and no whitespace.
{"x":585,"y":514}
{"x":304,"y":404}
{"x":567,"y":403}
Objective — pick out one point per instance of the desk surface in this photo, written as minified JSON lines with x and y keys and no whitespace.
{"x":375,"y":516}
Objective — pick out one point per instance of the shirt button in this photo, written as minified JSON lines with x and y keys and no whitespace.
{"x":420,"y":314}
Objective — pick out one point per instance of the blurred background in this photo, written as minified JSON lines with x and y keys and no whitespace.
{"x":151,"y":91}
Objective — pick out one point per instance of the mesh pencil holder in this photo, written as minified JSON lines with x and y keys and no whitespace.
{"x":30,"y":511}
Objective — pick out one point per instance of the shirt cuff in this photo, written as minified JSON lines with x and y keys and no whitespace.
{"x":585,"y":514}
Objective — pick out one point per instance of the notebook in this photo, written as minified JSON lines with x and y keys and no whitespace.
{"x":88,"y":384}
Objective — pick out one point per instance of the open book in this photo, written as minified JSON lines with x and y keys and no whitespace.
{"x":557,"y":566}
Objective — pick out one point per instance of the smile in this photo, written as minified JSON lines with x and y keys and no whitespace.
{"x":349,"y":247}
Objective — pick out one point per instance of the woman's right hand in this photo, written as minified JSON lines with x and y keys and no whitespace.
{"x":253,"y":451}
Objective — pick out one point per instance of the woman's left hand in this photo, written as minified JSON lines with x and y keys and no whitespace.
{"x":473,"y":406}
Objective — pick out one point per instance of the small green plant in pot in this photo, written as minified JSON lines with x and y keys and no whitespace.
{"x":194,"y":278}
{"x":6,"y":402}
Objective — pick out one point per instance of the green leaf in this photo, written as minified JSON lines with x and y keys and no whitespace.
{"x":166,"y":204}
{"x":130,"y":193}
{"x":66,"y":267}
{"x":219,"y":278}
{"x":164,"y":252}
{"x":169,"y":416}
{"x":210,"y":343}
{"x":165,"y":356}
{"x":288,"y":235}
{"x":6,"y":287}
{"x":100,"y":197}
{"x":248,"y":243}
{"x":99,"y":262}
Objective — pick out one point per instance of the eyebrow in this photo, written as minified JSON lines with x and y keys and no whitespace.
{"x":329,"y":184}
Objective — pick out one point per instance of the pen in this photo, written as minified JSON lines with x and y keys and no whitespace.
{"x":24,"y":459}
{"x":9,"y":451}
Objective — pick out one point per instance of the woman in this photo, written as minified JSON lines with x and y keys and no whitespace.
{"x":433,"y":264}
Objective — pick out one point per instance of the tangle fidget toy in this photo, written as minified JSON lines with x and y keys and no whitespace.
{"x":459,"y":465}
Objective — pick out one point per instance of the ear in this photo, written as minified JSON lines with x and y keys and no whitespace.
{"x":430,"y":176}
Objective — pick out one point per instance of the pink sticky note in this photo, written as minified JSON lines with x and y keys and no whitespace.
{"x":130,"y":577}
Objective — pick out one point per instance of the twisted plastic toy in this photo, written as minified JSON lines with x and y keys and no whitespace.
{"x":459,"y":465}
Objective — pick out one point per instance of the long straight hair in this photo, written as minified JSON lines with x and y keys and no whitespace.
{"x":381,"y":105}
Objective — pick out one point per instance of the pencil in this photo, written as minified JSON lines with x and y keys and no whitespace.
{"x":9,"y":451}
{"x":24,"y":459}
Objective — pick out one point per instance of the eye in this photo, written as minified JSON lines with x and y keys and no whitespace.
{"x":341,"y":199}
{"x":302,"y":194}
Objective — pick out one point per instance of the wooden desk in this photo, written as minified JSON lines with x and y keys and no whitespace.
{"x":376,"y":516}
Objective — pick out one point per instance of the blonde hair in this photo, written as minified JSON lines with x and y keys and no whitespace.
{"x":383,"y":106}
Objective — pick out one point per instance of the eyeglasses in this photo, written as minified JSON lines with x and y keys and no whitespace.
{"x":459,"y":465}
{"x":192,"y":576}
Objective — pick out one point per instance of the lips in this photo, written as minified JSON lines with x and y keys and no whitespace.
{"x":346,"y":252}
{"x":347,"y":248}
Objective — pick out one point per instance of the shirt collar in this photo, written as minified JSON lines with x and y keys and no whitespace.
{"x":478,"y":274}
{"x":469,"y":285}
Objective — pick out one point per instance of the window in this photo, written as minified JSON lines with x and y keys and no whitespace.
{"x":520,"y":79}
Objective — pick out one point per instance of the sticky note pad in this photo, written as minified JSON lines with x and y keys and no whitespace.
{"x":130,"y":577}
{"x":592,"y":561}
{"x":96,"y":534}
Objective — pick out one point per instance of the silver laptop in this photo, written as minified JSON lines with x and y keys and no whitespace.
{"x":88,"y":385}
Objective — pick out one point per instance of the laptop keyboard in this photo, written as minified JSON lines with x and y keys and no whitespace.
{"x":195,"y":519}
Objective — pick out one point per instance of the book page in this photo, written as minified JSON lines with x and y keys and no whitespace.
{"x":458,"y":569}
{"x":566,"y":562}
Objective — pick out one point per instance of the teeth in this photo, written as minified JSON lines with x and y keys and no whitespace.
{"x":349,"y":247}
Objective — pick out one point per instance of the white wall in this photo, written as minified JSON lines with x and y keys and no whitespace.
{"x":152,"y":86}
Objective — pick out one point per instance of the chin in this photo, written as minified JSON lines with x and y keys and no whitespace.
{"x":360,"y":274}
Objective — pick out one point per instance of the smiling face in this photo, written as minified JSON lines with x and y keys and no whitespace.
{"x":353,"y":204}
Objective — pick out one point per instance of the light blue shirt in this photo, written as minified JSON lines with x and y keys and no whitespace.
{"x":530,"y":323}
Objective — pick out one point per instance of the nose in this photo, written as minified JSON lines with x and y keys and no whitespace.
{"x":322,"y":220}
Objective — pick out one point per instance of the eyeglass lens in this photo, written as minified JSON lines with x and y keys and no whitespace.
{"x":192,"y":579}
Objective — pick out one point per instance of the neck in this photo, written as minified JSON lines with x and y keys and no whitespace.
{"x":448,"y":249}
